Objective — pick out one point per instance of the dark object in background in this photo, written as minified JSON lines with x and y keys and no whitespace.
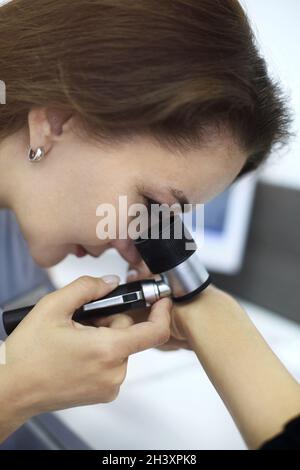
{"x":270,"y":276}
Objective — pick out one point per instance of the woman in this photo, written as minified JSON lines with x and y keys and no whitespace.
{"x":159,"y":101}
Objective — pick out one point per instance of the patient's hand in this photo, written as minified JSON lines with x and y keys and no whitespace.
{"x":176,"y":341}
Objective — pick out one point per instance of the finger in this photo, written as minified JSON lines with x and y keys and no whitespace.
{"x":139,"y":314}
{"x":143,"y":270}
{"x":148,"y":334}
{"x":127,"y":246}
{"x":134,"y":274}
{"x":79,"y":292}
{"x":174,"y":345}
{"x":115,"y":321}
{"x":138,"y":271}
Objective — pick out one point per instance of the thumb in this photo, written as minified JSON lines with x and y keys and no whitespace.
{"x":79,"y":292}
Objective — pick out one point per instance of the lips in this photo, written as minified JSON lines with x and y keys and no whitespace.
{"x":80,"y":251}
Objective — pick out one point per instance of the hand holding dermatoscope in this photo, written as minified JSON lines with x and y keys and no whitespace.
{"x":182,"y":276}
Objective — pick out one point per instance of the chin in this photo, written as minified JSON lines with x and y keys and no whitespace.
{"x":46,"y":258}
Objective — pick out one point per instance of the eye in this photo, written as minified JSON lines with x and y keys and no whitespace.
{"x":148,"y":202}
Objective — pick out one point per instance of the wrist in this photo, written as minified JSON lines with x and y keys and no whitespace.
{"x":13,"y":401}
{"x":182,"y":317}
{"x":211,"y":311}
{"x":189,"y":314}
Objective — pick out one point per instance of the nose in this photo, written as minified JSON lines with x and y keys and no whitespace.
{"x":127,"y":250}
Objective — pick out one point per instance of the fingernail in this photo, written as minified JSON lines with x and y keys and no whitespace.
{"x":111,"y":279}
{"x":132,"y":274}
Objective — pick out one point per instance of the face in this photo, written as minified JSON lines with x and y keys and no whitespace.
{"x":55,"y":200}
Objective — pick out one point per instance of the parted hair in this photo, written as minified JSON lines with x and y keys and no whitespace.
{"x":166,"y":68}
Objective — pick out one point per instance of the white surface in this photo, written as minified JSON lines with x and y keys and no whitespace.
{"x":276,"y":24}
{"x":71,"y":267}
{"x":167,"y":401}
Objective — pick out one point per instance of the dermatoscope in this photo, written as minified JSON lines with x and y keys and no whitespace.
{"x":171,"y":255}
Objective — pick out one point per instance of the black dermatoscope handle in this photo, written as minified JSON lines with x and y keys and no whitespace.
{"x":11,"y":318}
{"x":168,"y":250}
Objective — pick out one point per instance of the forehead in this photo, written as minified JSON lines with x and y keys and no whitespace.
{"x":200,"y":173}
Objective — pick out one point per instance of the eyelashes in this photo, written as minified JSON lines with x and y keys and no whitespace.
{"x":149,"y":202}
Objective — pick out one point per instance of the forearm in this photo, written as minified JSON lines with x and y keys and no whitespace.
{"x":257,"y":389}
{"x":11,"y":413}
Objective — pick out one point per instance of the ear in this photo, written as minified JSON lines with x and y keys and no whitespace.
{"x":46,"y":125}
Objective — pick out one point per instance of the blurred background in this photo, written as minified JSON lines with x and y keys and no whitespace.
{"x":270,"y":273}
{"x":251,"y":249}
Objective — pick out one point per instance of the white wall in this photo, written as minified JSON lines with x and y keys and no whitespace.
{"x":277,"y":27}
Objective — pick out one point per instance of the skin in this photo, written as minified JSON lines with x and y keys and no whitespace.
{"x":55,"y":203}
{"x":53,"y":362}
{"x":259,"y":392}
{"x":257,"y":389}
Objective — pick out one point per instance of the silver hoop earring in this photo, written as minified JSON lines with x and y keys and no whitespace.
{"x":36,"y":156}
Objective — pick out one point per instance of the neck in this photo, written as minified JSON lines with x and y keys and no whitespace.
{"x":8,"y":159}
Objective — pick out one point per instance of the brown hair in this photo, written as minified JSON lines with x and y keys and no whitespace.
{"x":166,"y":68}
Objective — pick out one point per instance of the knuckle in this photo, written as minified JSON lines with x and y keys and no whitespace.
{"x":86,"y":283}
{"x":123,"y":320}
{"x":127,"y":320}
{"x":88,"y":287}
{"x":119,"y":317}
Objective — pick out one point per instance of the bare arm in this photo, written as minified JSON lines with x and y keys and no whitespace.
{"x":11,"y":406}
{"x":257,"y":389}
